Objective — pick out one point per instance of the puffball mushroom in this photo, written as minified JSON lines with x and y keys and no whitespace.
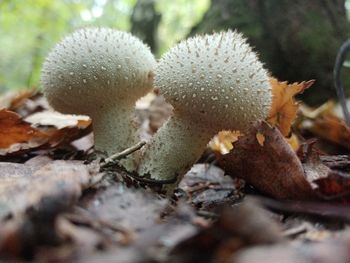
{"x":100,"y":72}
{"x":214,"y":82}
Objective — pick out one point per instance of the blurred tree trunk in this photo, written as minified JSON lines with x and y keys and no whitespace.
{"x":298,"y":40}
{"x":144,"y":21}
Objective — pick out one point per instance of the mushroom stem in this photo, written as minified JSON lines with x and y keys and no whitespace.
{"x":173,"y":149}
{"x":115,"y":130}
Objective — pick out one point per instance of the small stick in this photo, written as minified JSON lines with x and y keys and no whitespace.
{"x":115,"y":157}
{"x":123,"y":154}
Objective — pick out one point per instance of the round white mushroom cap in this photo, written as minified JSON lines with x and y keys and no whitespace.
{"x":215,"y":80}
{"x":96,"y":68}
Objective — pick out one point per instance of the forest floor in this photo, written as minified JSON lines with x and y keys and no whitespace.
{"x":262,"y":202}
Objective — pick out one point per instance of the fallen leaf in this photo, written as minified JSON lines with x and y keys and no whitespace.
{"x":24,"y":185}
{"x":16,"y":134}
{"x":318,"y":210}
{"x":11,"y":173}
{"x":11,"y":100}
{"x":284,"y":107}
{"x":60,"y":128}
{"x":340,"y":162}
{"x":154,"y":243}
{"x":329,"y":127}
{"x":83,"y":237}
{"x":335,"y":187}
{"x":206,"y":186}
{"x":133,"y":209}
{"x":329,"y":184}
{"x":44,"y":130}
{"x":333,"y":250}
{"x":35,"y":194}
{"x":273,"y":169}
{"x":58,"y":120}
{"x":244,"y":225}
{"x":313,"y":167}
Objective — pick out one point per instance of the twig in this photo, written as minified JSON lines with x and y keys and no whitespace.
{"x":132,"y":175}
{"x":123,"y":154}
{"x":292,"y":232}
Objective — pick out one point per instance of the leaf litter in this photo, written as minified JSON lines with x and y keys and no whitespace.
{"x":274,"y":194}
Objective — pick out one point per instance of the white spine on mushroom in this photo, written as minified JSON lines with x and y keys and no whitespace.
{"x":214,"y":82}
{"x":100,"y":72}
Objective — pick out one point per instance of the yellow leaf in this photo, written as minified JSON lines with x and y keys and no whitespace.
{"x":284,"y":107}
{"x":222,"y":142}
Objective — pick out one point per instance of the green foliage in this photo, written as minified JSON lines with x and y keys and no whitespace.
{"x":178,"y":17}
{"x":30,"y":28}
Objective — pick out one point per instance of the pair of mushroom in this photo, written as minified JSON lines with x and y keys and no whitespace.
{"x":214,"y":82}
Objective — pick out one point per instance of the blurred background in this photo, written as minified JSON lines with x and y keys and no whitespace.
{"x":297,"y":40}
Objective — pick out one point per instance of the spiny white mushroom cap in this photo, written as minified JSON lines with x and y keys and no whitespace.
{"x":96,"y":68}
{"x":215,"y":80}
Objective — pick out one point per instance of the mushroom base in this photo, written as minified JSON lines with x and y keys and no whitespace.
{"x":173,"y":150}
{"x":115,"y":131}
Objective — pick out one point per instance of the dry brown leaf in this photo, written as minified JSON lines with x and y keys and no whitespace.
{"x":328,"y":175}
{"x":60,"y":128}
{"x":284,"y":107}
{"x":244,"y":225}
{"x":206,"y":186}
{"x":132,"y":209}
{"x":313,"y":167}
{"x":273,"y":168}
{"x":46,"y":130}
{"x":16,"y":134}
{"x":25,"y":185}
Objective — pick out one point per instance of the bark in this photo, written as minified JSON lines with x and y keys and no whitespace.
{"x":298,"y":40}
{"x":145,"y":21}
